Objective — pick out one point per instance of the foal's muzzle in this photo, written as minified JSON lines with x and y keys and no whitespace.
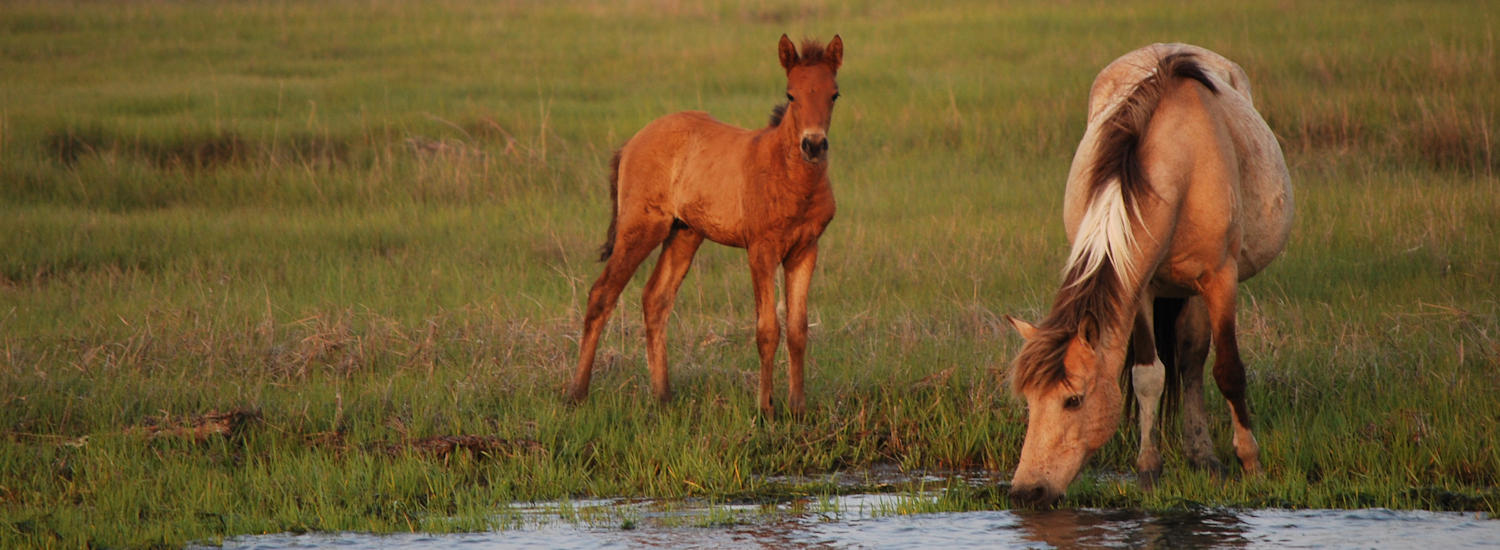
{"x":814,"y":147}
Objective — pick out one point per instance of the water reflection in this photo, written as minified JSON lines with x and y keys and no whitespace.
{"x":865,"y":521}
{"x":1133,"y":529}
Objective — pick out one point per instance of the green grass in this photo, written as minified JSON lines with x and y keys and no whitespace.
{"x":375,"y":222}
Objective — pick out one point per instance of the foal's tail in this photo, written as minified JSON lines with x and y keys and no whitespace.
{"x":614,"y":207}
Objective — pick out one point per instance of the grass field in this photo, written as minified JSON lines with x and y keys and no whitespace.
{"x":260,"y":257}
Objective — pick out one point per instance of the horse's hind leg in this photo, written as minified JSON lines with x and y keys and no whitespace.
{"x":1148,"y":377}
{"x":633,"y":242}
{"x":1190,"y":353}
{"x":657,"y":300}
{"x":1218,"y":289}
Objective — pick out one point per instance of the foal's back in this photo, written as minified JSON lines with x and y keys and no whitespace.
{"x":692,"y":167}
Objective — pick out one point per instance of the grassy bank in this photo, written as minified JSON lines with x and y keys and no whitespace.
{"x":260,"y":258}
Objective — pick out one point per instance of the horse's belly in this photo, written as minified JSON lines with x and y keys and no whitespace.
{"x":1266,"y":213}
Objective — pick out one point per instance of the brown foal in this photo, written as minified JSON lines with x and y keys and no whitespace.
{"x":686,"y":177}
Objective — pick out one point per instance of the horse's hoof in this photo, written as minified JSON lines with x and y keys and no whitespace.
{"x":1251,"y":467}
{"x":1147,"y":478}
{"x":1212,"y":466}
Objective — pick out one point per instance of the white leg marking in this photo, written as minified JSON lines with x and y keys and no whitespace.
{"x":1245,"y":446}
{"x":1149,"y":381}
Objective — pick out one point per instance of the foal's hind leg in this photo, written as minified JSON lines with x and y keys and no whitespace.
{"x":1191,"y":352}
{"x":1218,"y":289}
{"x":1148,"y":377}
{"x":657,"y":300}
{"x":633,"y":242}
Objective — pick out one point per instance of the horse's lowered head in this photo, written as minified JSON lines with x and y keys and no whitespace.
{"x":810,"y":93}
{"x":1072,"y":408}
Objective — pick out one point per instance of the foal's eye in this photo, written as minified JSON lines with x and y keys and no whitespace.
{"x":835,"y":96}
{"x":1073,"y":402}
{"x":789,"y":98}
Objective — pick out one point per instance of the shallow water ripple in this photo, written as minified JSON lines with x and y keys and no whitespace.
{"x":862,"y":521}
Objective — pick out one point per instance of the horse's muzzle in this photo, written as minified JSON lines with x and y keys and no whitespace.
{"x":814,"y":147}
{"x":1035,"y":496}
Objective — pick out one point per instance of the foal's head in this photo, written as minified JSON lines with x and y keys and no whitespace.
{"x":810,"y":93}
{"x":1072,"y":408}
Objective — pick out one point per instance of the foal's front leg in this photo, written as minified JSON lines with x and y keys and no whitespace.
{"x":799,"y":269}
{"x":763,"y":263}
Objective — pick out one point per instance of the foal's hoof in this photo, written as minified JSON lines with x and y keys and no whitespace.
{"x":767,"y":411}
{"x":577,"y":394}
{"x":798,"y":410}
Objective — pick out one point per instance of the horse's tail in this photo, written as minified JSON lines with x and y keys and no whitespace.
{"x":1165,"y":312}
{"x":1117,"y":181}
{"x":614,"y":206}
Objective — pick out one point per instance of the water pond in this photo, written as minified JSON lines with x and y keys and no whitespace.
{"x":883,"y":521}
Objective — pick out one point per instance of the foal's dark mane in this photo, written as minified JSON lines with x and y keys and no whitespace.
{"x":776,"y":113}
{"x":1090,"y":299}
{"x":812,"y":54}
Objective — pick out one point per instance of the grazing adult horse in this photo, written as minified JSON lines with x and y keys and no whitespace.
{"x":687,"y":177}
{"x":1177,"y":193}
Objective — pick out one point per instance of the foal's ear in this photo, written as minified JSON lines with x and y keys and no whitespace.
{"x":835,"y":52}
{"x":788,"y":53}
{"x":1025,"y":329}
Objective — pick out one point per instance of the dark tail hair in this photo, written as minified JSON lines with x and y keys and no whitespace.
{"x":614,"y":206}
{"x":1165,"y":313}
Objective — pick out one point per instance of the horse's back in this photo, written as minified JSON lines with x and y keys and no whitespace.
{"x":1258,"y":199}
{"x":1117,"y":79}
{"x":1211,"y":154}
